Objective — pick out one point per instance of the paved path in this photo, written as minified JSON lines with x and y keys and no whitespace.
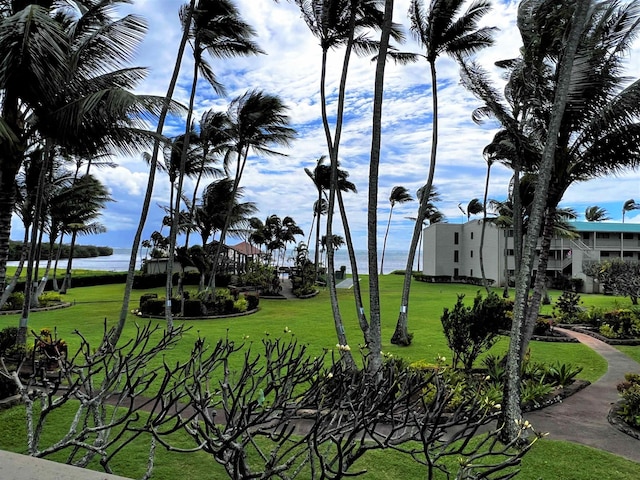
{"x":582,"y":417}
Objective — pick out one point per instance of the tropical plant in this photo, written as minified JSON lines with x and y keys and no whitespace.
{"x":474,"y":207}
{"x":628,"y":206}
{"x":442,"y":28}
{"x":596,"y":214}
{"x":400,"y":195}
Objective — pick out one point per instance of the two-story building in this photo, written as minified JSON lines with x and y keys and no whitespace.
{"x":454,"y":250}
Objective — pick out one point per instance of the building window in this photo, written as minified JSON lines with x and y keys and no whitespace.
{"x":471,"y":272}
{"x":510,"y":233}
{"x":510,"y":252}
{"x":585,"y":235}
{"x":628,"y":236}
{"x":456,"y":238}
{"x":456,"y":256}
{"x":471,"y":253}
{"x":604,"y":254}
{"x":471,"y":235}
{"x":627,"y":254}
{"x":456,"y":273}
{"x":602,"y":235}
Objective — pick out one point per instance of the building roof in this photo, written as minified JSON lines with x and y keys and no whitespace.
{"x":245,"y":248}
{"x":610,"y":227}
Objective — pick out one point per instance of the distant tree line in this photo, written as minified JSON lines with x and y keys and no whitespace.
{"x":79,"y":251}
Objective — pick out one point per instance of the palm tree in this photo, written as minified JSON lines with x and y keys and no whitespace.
{"x":474,"y":207}
{"x":596,"y":214}
{"x":440,"y":29}
{"x":345,"y":23}
{"x":399,"y":194}
{"x":628,"y":206}
{"x":258,"y":121}
{"x":512,"y":413}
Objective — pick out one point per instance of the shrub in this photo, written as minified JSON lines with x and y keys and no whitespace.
{"x":264,"y":277}
{"x":8,"y":338}
{"x":543,"y":326}
{"x":623,"y":323}
{"x":14,"y":302}
{"x":49,"y":298}
{"x":472,"y":330}
{"x":630,"y":391}
{"x":253,"y":300}
{"x":562,"y":374}
{"x":145,"y":297}
{"x":240,"y":305}
{"x":567,"y":307}
{"x":7,"y":387}
{"x":194,"y":308}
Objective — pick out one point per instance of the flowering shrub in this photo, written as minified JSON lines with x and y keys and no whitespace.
{"x":630,"y":392}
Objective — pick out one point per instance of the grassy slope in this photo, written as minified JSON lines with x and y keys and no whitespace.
{"x":310,"y":321}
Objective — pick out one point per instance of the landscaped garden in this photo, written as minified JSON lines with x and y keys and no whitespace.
{"x":308,"y":321}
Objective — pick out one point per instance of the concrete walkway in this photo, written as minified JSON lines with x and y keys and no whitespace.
{"x":582,"y":417}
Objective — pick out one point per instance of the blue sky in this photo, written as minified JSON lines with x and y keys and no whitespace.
{"x":290,"y":69}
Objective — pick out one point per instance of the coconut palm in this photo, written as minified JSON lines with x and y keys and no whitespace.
{"x":258,"y":122}
{"x":399,"y":194}
{"x":442,"y":28}
{"x":343,"y":23}
{"x":596,"y":214}
{"x":628,"y":206}
{"x":474,"y":207}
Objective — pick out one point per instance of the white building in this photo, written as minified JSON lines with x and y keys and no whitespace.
{"x":453,"y":250}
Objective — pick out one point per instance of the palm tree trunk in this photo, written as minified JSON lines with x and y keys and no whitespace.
{"x":384,"y":243}
{"x":540,"y":283}
{"x":55,"y":265}
{"x":512,"y":412}
{"x":401,"y":333}
{"x":175,"y":220}
{"x":484,"y":225}
{"x":66,"y":283}
{"x":153,"y":164}
{"x":375,"y":346}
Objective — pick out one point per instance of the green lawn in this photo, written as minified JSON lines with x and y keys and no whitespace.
{"x":311,"y":323}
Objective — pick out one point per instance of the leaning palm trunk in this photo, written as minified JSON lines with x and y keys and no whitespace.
{"x":153,"y":164}
{"x":357,"y":291}
{"x":484,"y":227}
{"x":66,"y":283}
{"x":401,"y":333}
{"x":173,"y":233}
{"x":512,"y":411}
{"x":375,"y":346}
{"x":540,"y":283}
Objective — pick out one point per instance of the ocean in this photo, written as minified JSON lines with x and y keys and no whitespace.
{"x":119,"y":261}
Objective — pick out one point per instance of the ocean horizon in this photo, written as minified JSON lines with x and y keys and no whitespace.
{"x":119,"y":261}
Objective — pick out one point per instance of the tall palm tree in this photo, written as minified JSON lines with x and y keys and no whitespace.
{"x":399,"y":194}
{"x":628,"y":206}
{"x":512,"y":413}
{"x":443,"y":28}
{"x":258,"y":121}
{"x":474,"y":207}
{"x":596,"y":214}
{"x":343,"y":23}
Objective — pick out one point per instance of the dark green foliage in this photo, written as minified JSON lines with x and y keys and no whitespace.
{"x":146,"y":297}
{"x":562,"y":374}
{"x":630,"y":391}
{"x":263,"y":277}
{"x":304,"y":274}
{"x":253,"y":300}
{"x":106,"y":278}
{"x":7,"y":387}
{"x":565,"y":283}
{"x":473,"y":330}
{"x":194,"y":308}
{"x":567,"y":308}
{"x":155,"y":280}
{"x":621,"y":323}
{"x":49,"y":298}
{"x":79,"y":251}
{"x":543,"y":326}
{"x":8,"y":337}
{"x":14,"y":302}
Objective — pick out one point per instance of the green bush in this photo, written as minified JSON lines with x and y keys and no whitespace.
{"x":8,"y":338}
{"x":14,"y":302}
{"x":49,"y":298}
{"x":630,"y":391}
{"x":253,"y":300}
{"x":567,"y":308}
{"x":240,"y":305}
{"x":145,"y":297}
{"x":473,"y":330}
{"x":621,"y":323}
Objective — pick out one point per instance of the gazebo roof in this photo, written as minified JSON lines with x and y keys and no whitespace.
{"x":245,"y":248}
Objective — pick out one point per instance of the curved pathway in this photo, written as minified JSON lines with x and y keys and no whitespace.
{"x":582,"y":417}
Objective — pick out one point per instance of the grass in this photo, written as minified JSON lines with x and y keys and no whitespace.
{"x":311,"y":323}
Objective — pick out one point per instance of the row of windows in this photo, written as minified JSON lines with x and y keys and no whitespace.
{"x":456,"y":237}
{"x":605,"y":235}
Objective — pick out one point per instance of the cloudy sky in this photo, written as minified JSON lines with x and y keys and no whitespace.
{"x":290,"y":69}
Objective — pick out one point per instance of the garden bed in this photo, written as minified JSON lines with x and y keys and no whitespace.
{"x":595,"y":334}
{"x":37,"y":309}
{"x":617,"y":421}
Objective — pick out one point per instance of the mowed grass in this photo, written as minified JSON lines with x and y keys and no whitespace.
{"x":310,"y":322}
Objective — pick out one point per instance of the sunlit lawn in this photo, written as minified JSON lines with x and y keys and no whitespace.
{"x":311,"y":323}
